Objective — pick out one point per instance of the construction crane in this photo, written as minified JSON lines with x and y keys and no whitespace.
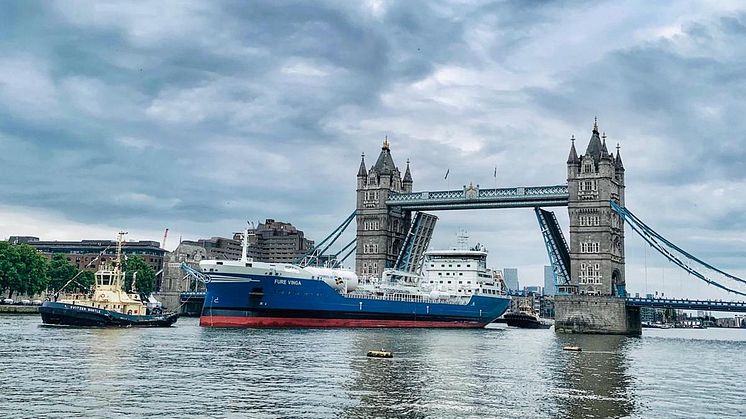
{"x":165,"y":236}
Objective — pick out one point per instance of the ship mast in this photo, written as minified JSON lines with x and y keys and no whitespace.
{"x":245,"y":246}
{"x":118,"y":274}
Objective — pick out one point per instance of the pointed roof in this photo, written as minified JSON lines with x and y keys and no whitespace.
{"x":407,"y":174}
{"x":605,"y":151}
{"x":594,"y":145}
{"x":618,"y":160}
{"x":573,"y":157}
{"x":362,"y":172}
{"x":385,"y":163}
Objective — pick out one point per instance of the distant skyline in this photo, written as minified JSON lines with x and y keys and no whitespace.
{"x":197,"y":116}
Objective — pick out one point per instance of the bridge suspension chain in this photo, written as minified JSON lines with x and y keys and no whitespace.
{"x":654,"y":240}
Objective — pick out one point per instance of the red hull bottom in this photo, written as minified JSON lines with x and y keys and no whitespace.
{"x":231,"y":321}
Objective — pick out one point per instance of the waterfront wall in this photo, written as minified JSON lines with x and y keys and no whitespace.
{"x":592,"y":314}
{"x":13,"y":309}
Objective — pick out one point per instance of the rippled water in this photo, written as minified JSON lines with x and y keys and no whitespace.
{"x":188,"y":371}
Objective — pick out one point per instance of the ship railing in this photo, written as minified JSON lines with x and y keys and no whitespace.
{"x":412,"y":299}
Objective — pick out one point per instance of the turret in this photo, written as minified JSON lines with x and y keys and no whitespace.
{"x":619,"y":166}
{"x":407,"y":182}
{"x":595,"y":148}
{"x":362,"y":173}
{"x":573,"y":161}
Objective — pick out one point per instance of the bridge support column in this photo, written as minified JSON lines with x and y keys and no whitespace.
{"x":594,"y":314}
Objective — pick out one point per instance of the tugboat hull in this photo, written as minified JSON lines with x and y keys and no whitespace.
{"x":78,"y":315}
{"x":524,"y":321}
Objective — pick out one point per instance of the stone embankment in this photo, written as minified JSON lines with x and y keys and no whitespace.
{"x":18,"y":309}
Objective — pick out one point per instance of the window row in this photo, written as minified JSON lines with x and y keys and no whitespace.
{"x":589,"y":220}
{"x":373,"y":225}
{"x":371,"y":195}
{"x":442,"y":265}
{"x":370,"y":269}
{"x":588,"y":247}
{"x":588,"y":185}
{"x":370,"y":248}
{"x":590,"y":273}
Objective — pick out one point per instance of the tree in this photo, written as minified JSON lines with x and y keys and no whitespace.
{"x":8,"y":265}
{"x":60,"y":271}
{"x":22,"y":269}
{"x":86,"y":279}
{"x":145,"y":279}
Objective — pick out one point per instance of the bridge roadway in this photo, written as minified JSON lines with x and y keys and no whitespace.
{"x":685,"y":304}
{"x":472,"y":197}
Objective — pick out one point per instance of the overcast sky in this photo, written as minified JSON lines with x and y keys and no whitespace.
{"x":198,"y":116}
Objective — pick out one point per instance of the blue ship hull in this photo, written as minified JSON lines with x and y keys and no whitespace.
{"x":239,"y":300}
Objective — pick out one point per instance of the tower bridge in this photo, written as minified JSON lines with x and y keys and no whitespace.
{"x":590,"y":262}
{"x":393,"y":232}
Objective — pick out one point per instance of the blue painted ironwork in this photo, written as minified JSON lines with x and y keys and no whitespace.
{"x":654,"y":239}
{"x":472,"y":197}
{"x":194,"y":276}
{"x":417,"y":240}
{"x":338,"y":262}
{"x":685,"y":304}
{"x":559,"y":256}
{"x":313,"y":255}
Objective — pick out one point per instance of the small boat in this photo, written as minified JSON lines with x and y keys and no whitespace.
{"x":572,"y":348}
{"x":106,"y":305}
{"x":380,"y":354}
{"x":526,"y":318}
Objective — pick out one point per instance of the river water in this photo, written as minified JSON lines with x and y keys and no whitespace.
{"x":188,"y":371}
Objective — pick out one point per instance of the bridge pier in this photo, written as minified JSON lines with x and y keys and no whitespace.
{"x":596,"y":314}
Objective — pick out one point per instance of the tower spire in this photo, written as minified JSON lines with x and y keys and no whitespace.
{"x":407,"y":174}
{"x":618,"y":161}
{"x":362,"y":172}
{"x":573,"y":157}
{"x":604,"y":151}
{"x":595,"y":148}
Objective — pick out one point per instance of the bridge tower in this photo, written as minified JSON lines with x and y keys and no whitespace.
{"x":380,"y":229}
{"x":596,"y":231}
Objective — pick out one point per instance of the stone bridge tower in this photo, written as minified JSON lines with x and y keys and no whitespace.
{"x":380,"y":230}
{"x":596,"y":231}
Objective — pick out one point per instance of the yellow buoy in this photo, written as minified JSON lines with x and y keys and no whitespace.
{"x":380,"y":354}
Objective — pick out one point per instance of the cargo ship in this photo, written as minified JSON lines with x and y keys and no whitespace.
{"x":245,"y":293}
{"x":107,"y":304}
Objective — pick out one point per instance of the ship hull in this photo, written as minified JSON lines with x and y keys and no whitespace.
{"x":63,"y":314}
{"x":270,"y":301}
{"x":524,"y":321}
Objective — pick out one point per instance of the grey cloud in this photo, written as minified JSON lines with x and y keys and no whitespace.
{"x":202,"y":115}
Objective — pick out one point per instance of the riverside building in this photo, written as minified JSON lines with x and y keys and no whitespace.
{"x":84,"y":253}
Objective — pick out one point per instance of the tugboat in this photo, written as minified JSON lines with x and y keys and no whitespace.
{"x":525,"y":318}
{"x":107,"y":304}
